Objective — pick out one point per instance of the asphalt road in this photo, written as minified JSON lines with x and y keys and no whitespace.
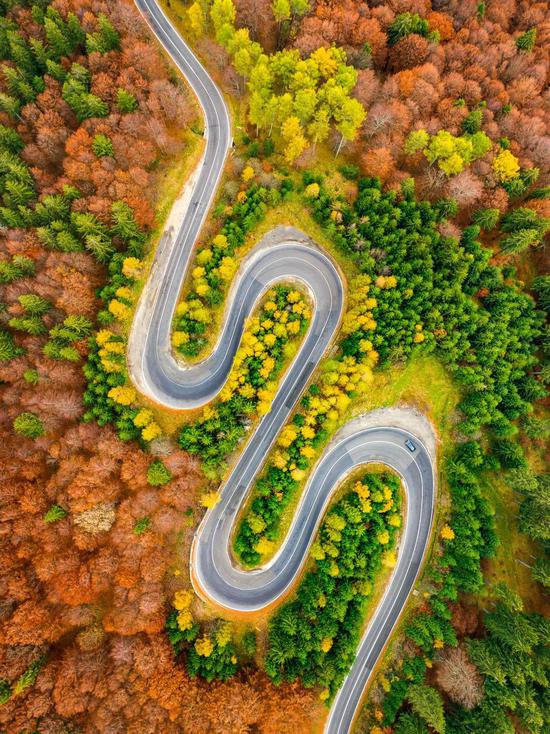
{"x":159,"y":375}
{"x":154,"y":368}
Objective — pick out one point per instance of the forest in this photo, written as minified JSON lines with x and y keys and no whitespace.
{"x":414,"y":136}
{"x":90,"y":524}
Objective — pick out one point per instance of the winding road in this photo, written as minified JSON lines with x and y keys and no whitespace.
{"x":284,"y":254}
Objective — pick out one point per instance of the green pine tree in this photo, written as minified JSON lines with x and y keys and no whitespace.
{"x":8,"y":348}
{"x":102,"y":146}
{"x":125,"y":101}
{"x":55,"y":513}
{"x":158,"y":474}
{"x":29,"y":425}
{"x":526,"y":41}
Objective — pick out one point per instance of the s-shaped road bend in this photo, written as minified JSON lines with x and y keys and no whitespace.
{"x":157,"y":374}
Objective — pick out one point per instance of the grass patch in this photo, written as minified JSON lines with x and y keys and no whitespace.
{"x":293,"y":212}
{"x":422,"y":382}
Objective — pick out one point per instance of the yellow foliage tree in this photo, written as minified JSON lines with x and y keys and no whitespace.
{"x":312,"y":191}
{"x":204,"y":256}
{"x":210,"y":499}
{"x":247,"y":174}
{"x":179,"y":338}
{"x":223,"y":634}
{"x":119,"y":310}
{"x":124,"y":395}
{"x":264,"y":546}
{"x":124,"y":292}
{"x":220,"y":241}
{"x":131,"y":267}
{"x":295,"y":141}
{"x":115,"y":348}
{"x":185,"y":620}
{"x":151,"y":431}
{"x":183,"y":598}
{"x":204,"y":646}
{"x":447,"y":533}
{"x":227,"y":268}
{"x":143,"y":418}
{"x":505,"y":166}
{"x":383,"y":537}
{"x":197,"y":20}
{"x":103,"y":336}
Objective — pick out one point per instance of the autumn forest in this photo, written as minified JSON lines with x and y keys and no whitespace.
{"x":411,"y":140}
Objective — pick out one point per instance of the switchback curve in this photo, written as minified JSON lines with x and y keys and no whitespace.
{"x":157,"y":374}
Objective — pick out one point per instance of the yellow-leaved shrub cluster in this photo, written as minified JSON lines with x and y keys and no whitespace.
{"x":120,"y":307}
{"x":210,"y":651}
{"x":112,"y":351}
{"x":505,"y":166}
{"x":194,"y":312}
{"x":112,"y":354}
{"x":268,"y":339}
{"x":182,"y":604}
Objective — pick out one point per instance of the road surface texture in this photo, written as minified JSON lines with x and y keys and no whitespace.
{"x":284,"y":254}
